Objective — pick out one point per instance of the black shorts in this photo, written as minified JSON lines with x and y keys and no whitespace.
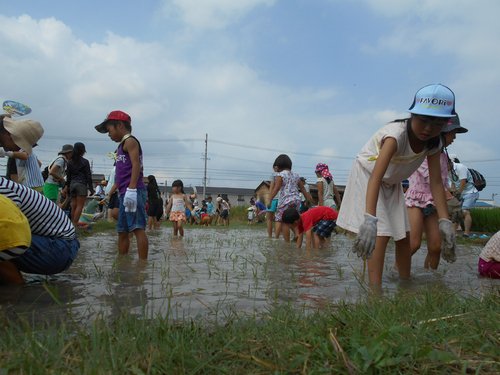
{"x":114,"y":202}
{"x":154,"y":210}
{"x":224,"y":214}
{"x":77,"y":189}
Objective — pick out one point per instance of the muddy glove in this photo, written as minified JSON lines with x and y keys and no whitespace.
{"x":456,"y":193}
{"x":4,"y":153}
{"x":364,"y":243}
{"x":455,"y":210}
{"x":130,"y":200}
{"x":448,"y":244}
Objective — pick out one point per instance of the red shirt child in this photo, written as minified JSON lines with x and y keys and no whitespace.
{"x":318,"y":224}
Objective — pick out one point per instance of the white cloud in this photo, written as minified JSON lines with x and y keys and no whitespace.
{"x":211,"y":14}
{"x":71,"y":86}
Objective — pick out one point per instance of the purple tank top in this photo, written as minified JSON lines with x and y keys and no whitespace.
{"x":124,"y":169}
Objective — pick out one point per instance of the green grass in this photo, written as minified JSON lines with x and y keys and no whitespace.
{"x":434,"y":331}
{"x":485,"y":220}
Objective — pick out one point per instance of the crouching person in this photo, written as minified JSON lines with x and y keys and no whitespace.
{"x":489,"y":259}
{"x":36,"y":236}
{"x":318,"y":224}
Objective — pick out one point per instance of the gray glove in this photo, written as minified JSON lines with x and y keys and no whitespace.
{"x":455,"y":210}
{"x":456,"y":193}
{"x":364,"y":243}
{"x":448,"y":244}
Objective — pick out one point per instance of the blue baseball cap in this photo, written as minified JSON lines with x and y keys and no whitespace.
{"x":434,"y":100}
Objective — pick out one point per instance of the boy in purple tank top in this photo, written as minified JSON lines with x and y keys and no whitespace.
{"x":129,"y":182}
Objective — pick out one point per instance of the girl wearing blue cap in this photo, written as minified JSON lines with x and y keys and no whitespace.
{"x":374,"y":205}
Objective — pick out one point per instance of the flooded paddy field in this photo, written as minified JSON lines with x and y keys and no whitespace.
{"x":211,"y":273}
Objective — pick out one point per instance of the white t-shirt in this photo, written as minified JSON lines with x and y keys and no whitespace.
{"x":462,"y":173}
{"x":61,"y":162}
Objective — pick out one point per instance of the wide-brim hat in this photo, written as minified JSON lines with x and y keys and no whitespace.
{"x":454,"y":124}
{"x":25,"y":133}
{"x":66,"y":149}
{"x":103,"y":182}
{"x":452,"y":157}
{"x":115,"y":115}
{"x":249,"y":208}
{"x":219,"y":199}
{"x":434,"y":100}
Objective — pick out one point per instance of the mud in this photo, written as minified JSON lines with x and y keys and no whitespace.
{"x":212,"y":272}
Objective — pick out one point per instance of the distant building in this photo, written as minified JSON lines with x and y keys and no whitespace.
{"x":485,"y":204}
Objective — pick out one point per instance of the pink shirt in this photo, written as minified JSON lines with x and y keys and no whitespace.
{"x":419,"y":193}
{"x":491,"y":252}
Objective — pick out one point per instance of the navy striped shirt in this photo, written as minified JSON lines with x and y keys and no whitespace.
{"x":45,"y":217}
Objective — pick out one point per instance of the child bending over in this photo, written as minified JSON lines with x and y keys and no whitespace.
{"x":318,"y":224}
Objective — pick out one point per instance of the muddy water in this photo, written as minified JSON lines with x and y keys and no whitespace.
{"x":212,"y":272}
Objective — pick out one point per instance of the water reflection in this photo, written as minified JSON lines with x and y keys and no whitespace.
{"x":213,"y":272}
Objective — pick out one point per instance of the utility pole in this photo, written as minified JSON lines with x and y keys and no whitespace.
{"x":205,"y":175}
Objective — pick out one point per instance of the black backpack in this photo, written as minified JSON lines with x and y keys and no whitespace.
{"x":477,"y":179}
{"x":45,"y":173}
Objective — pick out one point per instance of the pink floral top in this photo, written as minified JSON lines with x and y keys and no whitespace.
{"x":419,"y":193}
{"x":289,"y":191}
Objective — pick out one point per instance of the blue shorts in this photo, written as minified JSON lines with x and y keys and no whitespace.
{"x":274,"y":206}
{"x":324,"y":228}
{"x":130,"y":221}
{"x":47,"y":255}
{"x":469,"y":200}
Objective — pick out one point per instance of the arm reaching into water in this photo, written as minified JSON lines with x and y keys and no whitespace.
{"x":364,"y":244}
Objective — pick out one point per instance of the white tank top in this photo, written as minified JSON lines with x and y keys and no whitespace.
{"x":178,"y":204}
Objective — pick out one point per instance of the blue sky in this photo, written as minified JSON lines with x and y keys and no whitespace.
{"x":313,"y":78}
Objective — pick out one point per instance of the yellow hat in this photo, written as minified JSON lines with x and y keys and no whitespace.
{"x":14,"y":227}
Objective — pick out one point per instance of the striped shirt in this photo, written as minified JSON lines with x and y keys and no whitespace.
{"x":45,"y":217}
{"x":32,"y":172}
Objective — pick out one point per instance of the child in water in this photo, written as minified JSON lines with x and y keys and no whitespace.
{"x":318,"y":224}
{"x":176,"y":204}
{"x":420,"y":204}
{"x":374,"y":205}
{"x":287,"y":185}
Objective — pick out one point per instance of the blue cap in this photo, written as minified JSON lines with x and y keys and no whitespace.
{"x":434,"y":100}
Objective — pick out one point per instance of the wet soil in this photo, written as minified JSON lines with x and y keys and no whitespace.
{"x":212,"y":272}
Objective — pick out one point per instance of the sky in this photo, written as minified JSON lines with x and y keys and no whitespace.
{"x":314,"y":79}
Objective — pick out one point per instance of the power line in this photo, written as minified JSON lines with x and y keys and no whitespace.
{"x":278,"y":151}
